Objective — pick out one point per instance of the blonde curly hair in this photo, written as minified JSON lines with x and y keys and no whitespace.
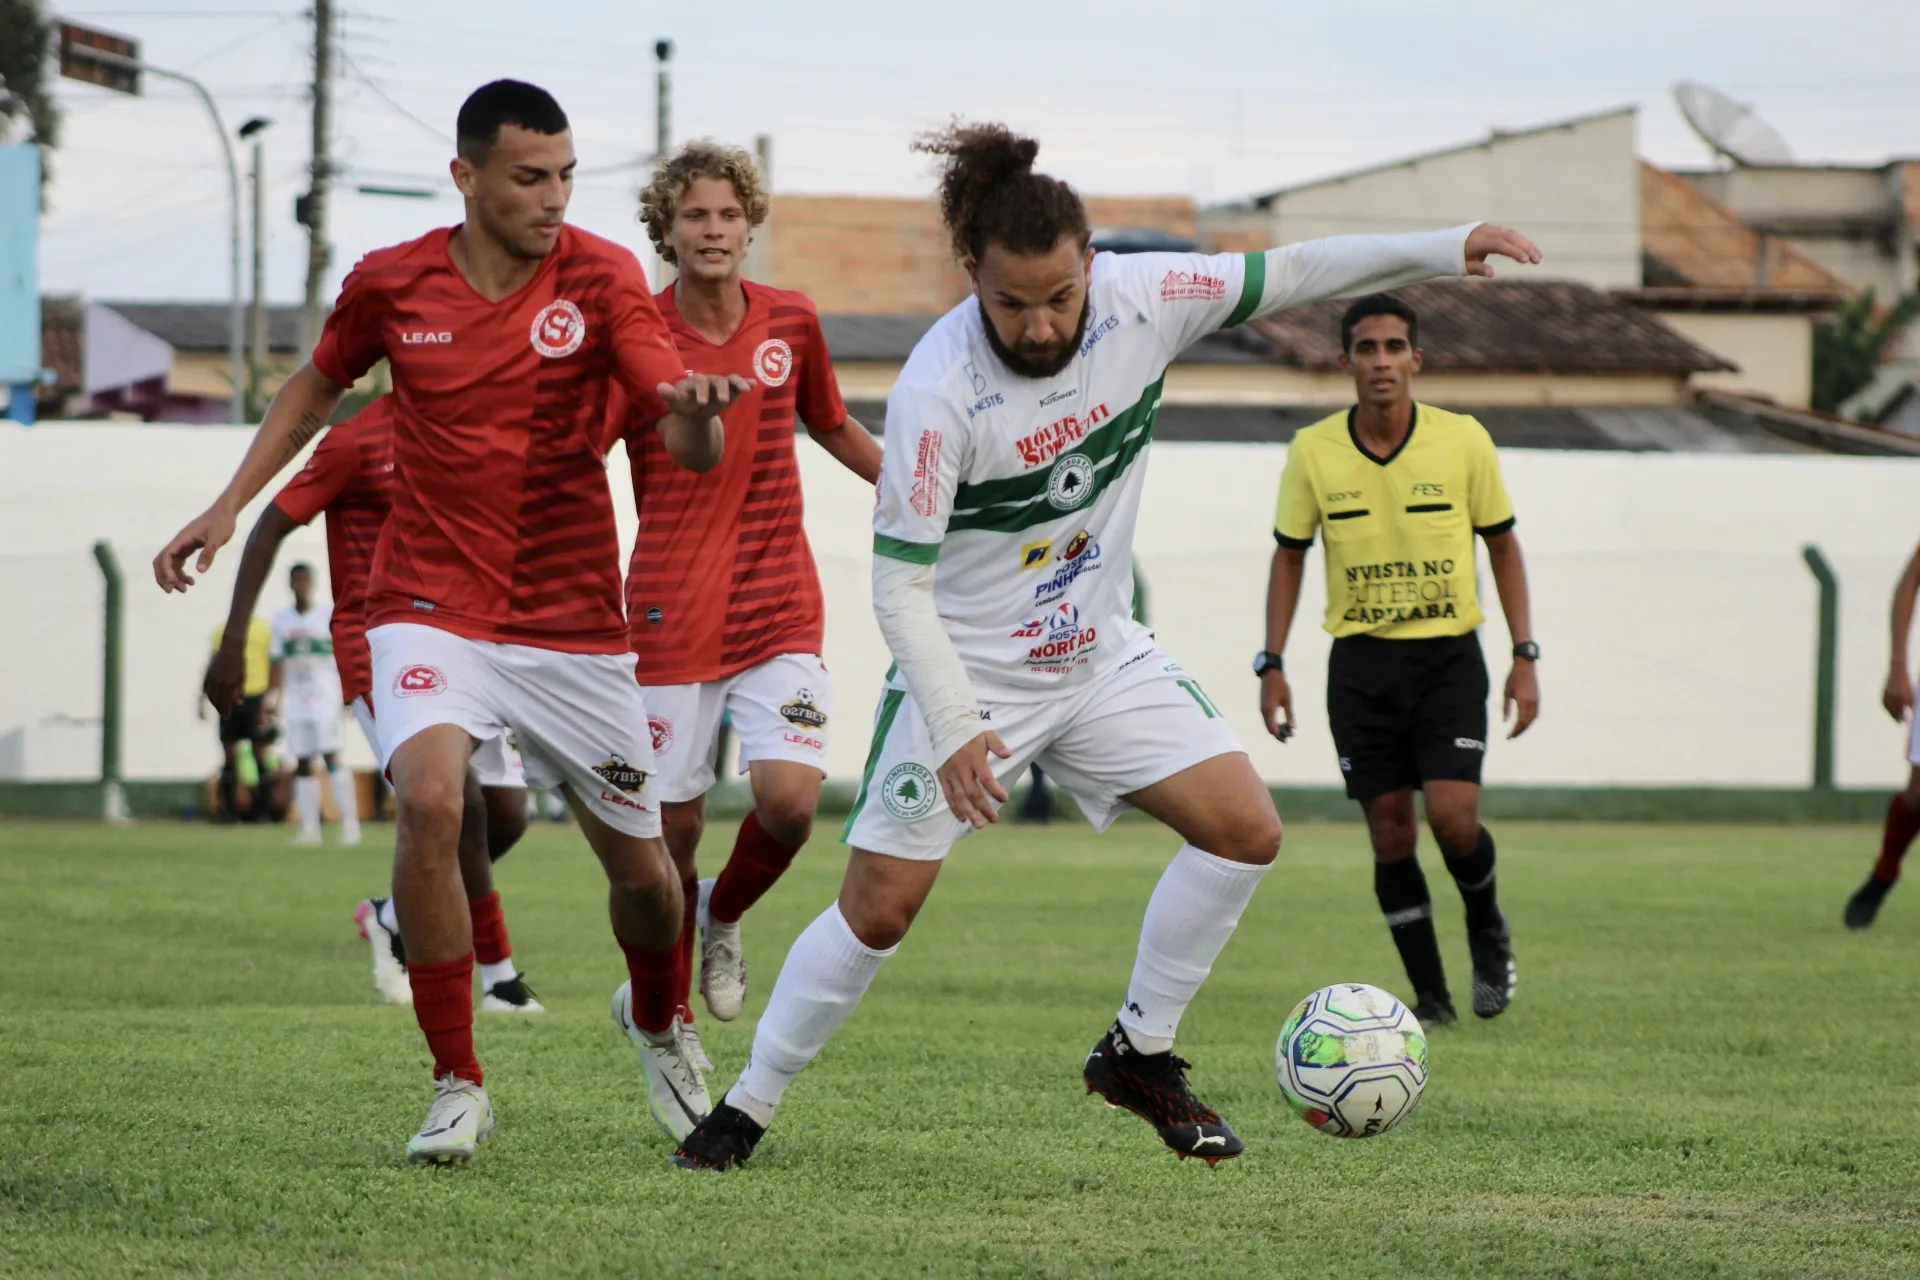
{"x":702,"y":159}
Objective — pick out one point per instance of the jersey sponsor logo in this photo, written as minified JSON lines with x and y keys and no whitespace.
{"x":1035,"y":554}
{"x":614,"y":797}
{"x":773,"y":362}
{"x":909,"y":792}
{"x":1096,"y":328}
{"x":421,"y":338}
{"x":1065,"y":393}
{"x":1429,"y":491}
{"x":617,"y":773}
{"x":559,"y":329}
{"x":662,"y":730}
{"x":1082,"y":555}
{"x":1192,"y":286}
{"x":926,"y":473}
{"x":1393,"y":591}
{"x":978,"y":379}
{"x":802,"y":740}
{"x":655,"y":615}
{"x":1470,"y":744}
{"x":803,"y":710}
{"x":1044,"y":445}
{"x":1350,"y":495}
{"x":423,"y":606}
{"x":419,"y":682}
{"x":985,"y":403}
{"x":1071,"y":483}
{"x":1062,"y":639}
{"x":1077,"y":545}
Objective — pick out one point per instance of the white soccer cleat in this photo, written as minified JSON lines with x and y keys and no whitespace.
{"x":458,"y":1123}
{"x":349,"y":835}
{"x":308,"y":838}
{"x":723,"y":964}
{"x":676,"y":1087}
{"x":389,"y":969}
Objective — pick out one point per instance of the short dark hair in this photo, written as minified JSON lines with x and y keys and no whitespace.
{"x":492,"y":107}
{"x":989,"y":193}
{"x":299,"y":566}
{"x":1378,"y":304}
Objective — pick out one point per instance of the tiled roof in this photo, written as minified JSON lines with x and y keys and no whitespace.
{"x":1693,"y":239}
{"x":1505,"y":326}
{"x":202,"y":326}
{"x":891,"y":339}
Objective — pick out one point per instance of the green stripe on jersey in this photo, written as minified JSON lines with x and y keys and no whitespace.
{"x":882,"y":726}
{"x":1253,"y":283}
{"x":901,"y":549}
{"x":1020,"y":502}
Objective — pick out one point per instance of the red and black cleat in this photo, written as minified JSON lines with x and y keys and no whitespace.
{"x":722,"y":1141}
{"x":1154,"y":1087}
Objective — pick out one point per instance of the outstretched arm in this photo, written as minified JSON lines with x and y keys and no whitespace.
{"x":1521,"y":702}
{"x":854,"y":447}
{"x":1345,"y":266}
{"x":226,"y":676}
{"x":1898,"y":698}
{"x":1283,"y":598}
{"x":692,"y":431}
{"x":299,"y":412}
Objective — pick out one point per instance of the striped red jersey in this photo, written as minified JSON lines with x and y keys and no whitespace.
{"x":722,"y":578}
{"x":502,"y":524}
{"x":350,"y":477}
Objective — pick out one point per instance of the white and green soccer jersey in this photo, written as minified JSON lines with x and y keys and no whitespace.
{"x":1025,"y":491}
{"x":303,"y":644}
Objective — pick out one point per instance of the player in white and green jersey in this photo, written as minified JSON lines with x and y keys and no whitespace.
{"x":1003,"y":583}
{"x":304,"y":685}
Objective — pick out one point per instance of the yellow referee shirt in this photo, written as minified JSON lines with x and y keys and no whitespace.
{"x":259,"y":642}
{"x":1400,"y":529}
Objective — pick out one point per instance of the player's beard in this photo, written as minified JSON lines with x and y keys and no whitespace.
{"x":1029,"y":364}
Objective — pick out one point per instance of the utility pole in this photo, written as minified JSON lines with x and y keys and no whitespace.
{"x":663,"y":274}
{"x":255,"y":129}
{"x":311,"y":209}
{"x":760,"y":249}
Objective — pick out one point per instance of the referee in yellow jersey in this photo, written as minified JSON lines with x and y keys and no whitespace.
{"x":1400,"y":489}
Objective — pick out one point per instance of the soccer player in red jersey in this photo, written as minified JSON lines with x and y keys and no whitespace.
{"x":350,"y":477}
{"x":723,"y":601}
{"x":494,"y":601}
{"x":1903,"y":811}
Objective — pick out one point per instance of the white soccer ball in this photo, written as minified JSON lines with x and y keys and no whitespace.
{"x":1352,"y":1060}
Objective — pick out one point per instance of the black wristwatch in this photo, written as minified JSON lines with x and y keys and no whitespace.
{"x":1267,"y":660}
{"x":1528,"y":649}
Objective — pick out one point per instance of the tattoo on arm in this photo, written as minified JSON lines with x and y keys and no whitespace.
{"x":309,"y":426}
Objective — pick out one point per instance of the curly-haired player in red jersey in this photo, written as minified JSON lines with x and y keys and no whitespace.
{"x":494,"y":603}
{"x":723,"y":601}
{"x":349,"y":477}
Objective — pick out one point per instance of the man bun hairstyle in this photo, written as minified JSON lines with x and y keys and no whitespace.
{"x":989,"y":193}
{"x":1378,"y":304}
{"x":492,"y":107}
{"x":660,"y":199}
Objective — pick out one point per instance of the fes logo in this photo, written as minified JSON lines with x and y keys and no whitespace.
{"x":662,"y":731}
{"x":419,"y":682}
{"x":559,"y":329}
{"x":773,"y":362}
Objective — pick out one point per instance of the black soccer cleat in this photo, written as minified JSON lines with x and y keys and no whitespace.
{"x":511,"y":996}
{"x":1434,"y":1011}
{"x":1864,"y":906}
{"x":722,"y":1141}
{"x":1154,"y":1087}
{"x":1493,"y":976}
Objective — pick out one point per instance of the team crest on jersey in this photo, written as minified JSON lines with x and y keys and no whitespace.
{"x":418,"y":682}
{"x":559,"y":329}
{"x":773,"y":362}
{"x":909,"y":792}
{"x":1070,"y":483}
{"x":662,"y":730}
{"x":803,"y":711}
{"x":620,"y":775}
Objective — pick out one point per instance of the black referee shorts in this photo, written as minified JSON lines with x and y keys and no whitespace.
{"x":242,"y":724}
{"x":1406,"y":712}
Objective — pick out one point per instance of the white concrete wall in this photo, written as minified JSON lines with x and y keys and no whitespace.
{"x":1574,"y":189}
{"x":1676,"y":614}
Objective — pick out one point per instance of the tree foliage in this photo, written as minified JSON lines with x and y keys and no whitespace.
{"x":28,"y":112}
{"x":1847,"y":348}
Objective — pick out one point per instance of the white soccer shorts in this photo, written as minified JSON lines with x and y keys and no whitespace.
{"x":1143,"y":723}
{"x":780,"y":710}
{"x":312,"y":735}
{"x":495,"y":763}
{"x":577,"y":718}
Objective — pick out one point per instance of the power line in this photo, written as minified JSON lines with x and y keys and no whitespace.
{"x":387,"y":98}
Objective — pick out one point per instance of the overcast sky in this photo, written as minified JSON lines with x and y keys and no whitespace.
{"x":1219,"y":101}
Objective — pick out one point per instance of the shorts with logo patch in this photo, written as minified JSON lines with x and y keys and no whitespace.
{"x":779,"y":710}
{"x":577,"y":718}
{"x":1141,"y":724}
{"x":1407,"y":712}
{"x":495,"y":763}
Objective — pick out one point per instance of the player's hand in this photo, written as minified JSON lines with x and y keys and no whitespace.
{"x":703,"y":395}
{"x":206,"y":533}
{"x":1898,"y":697}
{"x":1522,"y":702}
{"x":1486,"y":240}
{"x":226,"y":678}
{"x":1276,"y":696}
{"x":967,"y":779}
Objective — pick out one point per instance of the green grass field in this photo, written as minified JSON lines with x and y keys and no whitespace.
{"x":1703,"y":1075}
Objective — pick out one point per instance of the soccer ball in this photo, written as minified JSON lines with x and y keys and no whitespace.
{"x":1352,"y":1060}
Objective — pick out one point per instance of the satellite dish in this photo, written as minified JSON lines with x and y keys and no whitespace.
{"x":1729,"y":127}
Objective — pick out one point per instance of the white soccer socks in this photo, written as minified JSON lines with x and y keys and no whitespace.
{"x":346,"y":795}
{"x":1193,"y":911}
{"x":306,"y":797}
{"x":827,"y":971}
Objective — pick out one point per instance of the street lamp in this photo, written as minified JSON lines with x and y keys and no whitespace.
{"x":257,"y":362}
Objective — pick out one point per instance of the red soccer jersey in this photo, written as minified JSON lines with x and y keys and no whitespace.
{"x":350,"y":477}
{"x":502,"y":524}
{"x":722,"y":578}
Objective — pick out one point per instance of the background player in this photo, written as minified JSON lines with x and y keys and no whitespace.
{"x":243,"y":645}
{"x":1903,"y":810}
{"x":1401,"y":489}
{"x":349,"y":477}
{"x":495,"y":596}
{"x":1017,"y":430}
{"x":723,"y":600}
{"x":306,"y":689}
